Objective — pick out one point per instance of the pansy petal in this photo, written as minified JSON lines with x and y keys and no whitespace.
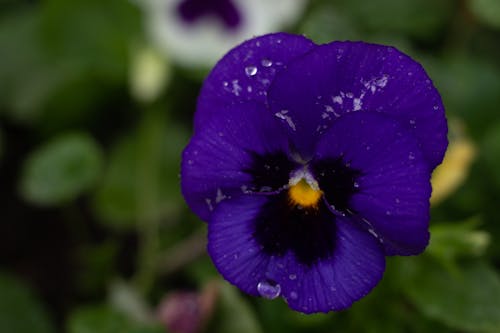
{"x":246,"y":72}
{"x":392,"y":187}
{"x":355,"y":266}
{"x":233,"y":248}
{"x":343,"y":77}
{"x":335,"y":283}
{"x":240,"y":150}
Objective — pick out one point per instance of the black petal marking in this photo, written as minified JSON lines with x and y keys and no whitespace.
{"x":337,"y":181}
{"x":309,"y":233}
{"x":270,"y":172}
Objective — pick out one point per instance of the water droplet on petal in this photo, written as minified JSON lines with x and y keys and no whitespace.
{"x":251,"y":70}
{"x":411,"y":156}
{"x":294,"y":295}
{"x":268,"y":289}
{"x":355,"y":184}
{"x":292,"y":277}
{"x":266,"y":62}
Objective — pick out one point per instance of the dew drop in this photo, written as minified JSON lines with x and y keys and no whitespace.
{"x":355,"y":185}
{"x":411,"y":156}
{"x":251,"y":70}
{"x":268,"y":289}
{"x":292,"y":277}
{"x":266,"y":62}
{"x":294,"y":295}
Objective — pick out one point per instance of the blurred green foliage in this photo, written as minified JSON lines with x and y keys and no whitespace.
{"x":93,"y":158}
{"x":20,"y":311}
{"x":61,"y":170}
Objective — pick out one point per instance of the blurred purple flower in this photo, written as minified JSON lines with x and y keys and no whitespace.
{"x":311,"y":163}
{"x":198,"y":32}
{"x":187,"y":312}
{"x":224,"y":10}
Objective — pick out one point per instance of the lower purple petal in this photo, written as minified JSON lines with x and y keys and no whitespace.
{"x":232,"y":246}
{"x":356,"y":265}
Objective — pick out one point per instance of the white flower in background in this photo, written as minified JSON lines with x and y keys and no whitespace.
{"x":199,"y":32}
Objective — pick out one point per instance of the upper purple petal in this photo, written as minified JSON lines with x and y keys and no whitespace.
{"x":393,"y":188}
{"x":342,"y":77}
{"x":333,"y":283}
{"x":215,"y":162}
{"x":246,"y":72}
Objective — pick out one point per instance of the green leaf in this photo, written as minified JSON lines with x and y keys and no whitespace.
{"x":449,"y":241}
{"x":104,"y":319}
{"x":469,"y":87}
{"x":20,"y":311}
{"x":147,"y":161}
{"x":234,"y":314}
{"x":487,"y":11}
{"x":61,"y":169}
{"x":96,"y":319}
{"x":490,"y":153}
{"x":93,"y":33}
{"x":326,"y":23}
{"x":26,"y":79}
{"x":419,"y":18}
{"x":467,"y":300}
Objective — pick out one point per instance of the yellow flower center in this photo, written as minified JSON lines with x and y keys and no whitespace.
{"x":304,"y":195}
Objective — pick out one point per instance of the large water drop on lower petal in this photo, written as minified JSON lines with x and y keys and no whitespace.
{"x":268,"y":289}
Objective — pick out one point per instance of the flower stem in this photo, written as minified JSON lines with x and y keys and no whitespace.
{"x":150,"y":136}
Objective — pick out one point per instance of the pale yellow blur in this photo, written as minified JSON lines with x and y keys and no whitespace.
{"x":453,"y":172}
{"x":149,"y":73}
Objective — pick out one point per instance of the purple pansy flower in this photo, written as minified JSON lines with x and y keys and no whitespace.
{"x":311,"y":163}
